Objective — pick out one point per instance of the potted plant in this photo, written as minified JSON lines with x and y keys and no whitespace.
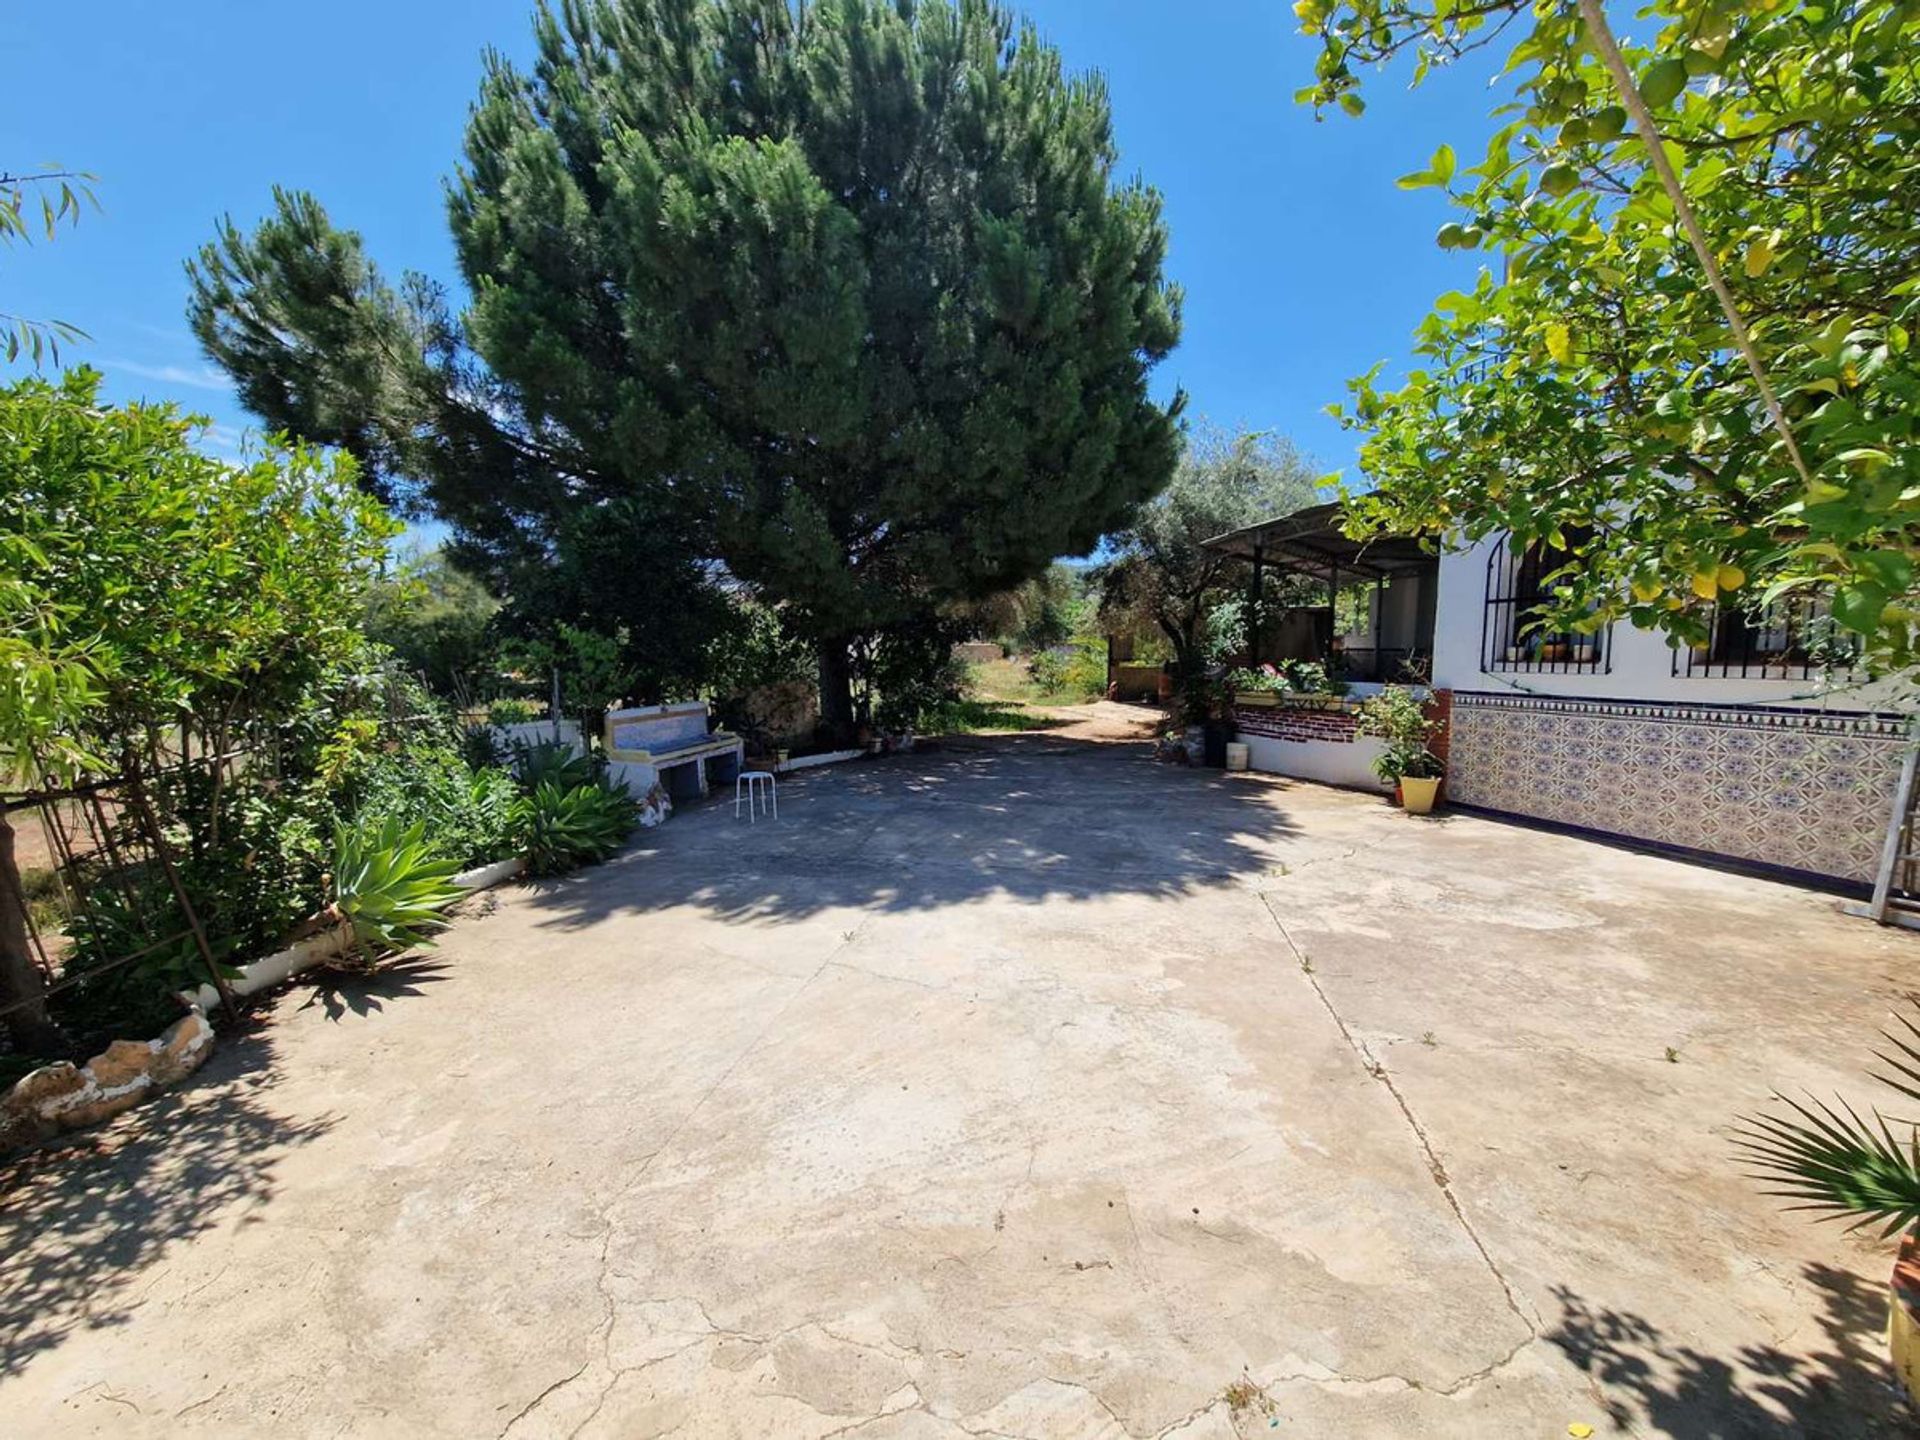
{"x":1827,"y":1158}
{"x":1399,"y":719}
{"x":1420,"y":775}
{"x":1261,"y":687}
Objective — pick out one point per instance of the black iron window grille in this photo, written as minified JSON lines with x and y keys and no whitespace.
{"x":1791,"y":639}
{"x":1513,"y":637}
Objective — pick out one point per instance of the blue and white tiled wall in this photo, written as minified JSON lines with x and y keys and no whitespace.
{"x":1799,"y":789}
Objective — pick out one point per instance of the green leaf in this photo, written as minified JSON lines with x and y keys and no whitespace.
{"x":1889,"y":568}
{"x":1606,"y":123}
{"x":1859,"y":606}
{"x":1662,"y":82}
{"x":1558,"y":180}
{"x":1443,"y":164}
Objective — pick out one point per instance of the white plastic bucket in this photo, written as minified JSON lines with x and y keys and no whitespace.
{"x":1237,"y":755}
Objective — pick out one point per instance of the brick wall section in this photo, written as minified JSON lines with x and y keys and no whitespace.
{"x":1440,"y":708}
{"x":1286,"y":723}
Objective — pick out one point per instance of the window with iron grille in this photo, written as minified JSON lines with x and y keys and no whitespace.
{"x":1791,"y":639}
{"x":1520,"y":587}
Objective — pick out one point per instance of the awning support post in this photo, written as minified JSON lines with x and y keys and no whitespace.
{"x":1254,"y":599}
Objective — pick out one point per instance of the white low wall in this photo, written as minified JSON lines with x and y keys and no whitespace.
{"x":541,"y":732}
{"x":808,"y":762}
{"x":1308,"y":743}
{"x":1328,"y":761}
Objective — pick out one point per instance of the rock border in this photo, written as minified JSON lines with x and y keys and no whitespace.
{"x":64,"y":1096}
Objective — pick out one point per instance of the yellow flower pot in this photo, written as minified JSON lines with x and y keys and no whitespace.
{"x":1417,"y":793}
{"x":1903,"y":1325}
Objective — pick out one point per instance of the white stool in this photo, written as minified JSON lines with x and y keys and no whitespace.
{"x":760,"y":784}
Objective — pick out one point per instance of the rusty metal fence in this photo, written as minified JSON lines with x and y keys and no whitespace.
{"x":92,"y":858}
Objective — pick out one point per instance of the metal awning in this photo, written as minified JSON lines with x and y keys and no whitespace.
{"x":1309,"y":541}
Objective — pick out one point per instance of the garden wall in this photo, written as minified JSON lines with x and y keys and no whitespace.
{"x":1308,"y":743}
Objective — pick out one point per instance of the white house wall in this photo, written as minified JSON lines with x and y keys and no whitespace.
{"x":1765,"y":771}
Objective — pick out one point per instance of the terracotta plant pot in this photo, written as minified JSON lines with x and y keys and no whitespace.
{"x":1903,"y":1327}
{"x":1418,"y":792}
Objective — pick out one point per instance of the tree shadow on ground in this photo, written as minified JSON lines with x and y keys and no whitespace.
{"x":366,"y":992}
{"x":1834,"y":1385}
{"x":83,"y":1219}
{"x":1026,"y":817}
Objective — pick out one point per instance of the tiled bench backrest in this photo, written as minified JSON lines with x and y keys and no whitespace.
{"x":673,"y":729}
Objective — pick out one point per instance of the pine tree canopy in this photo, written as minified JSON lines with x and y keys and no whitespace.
{"x":847,"y":288}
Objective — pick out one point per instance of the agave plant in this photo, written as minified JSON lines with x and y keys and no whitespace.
{"x":388,"y":884}
{"x":1830,"y":1159}
{"x":561,"y":828}
{"x":551,"y":762}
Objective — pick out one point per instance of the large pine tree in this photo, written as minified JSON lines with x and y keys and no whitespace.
{"x":843,"y":292}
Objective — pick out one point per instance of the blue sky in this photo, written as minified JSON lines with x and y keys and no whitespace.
{"x":1303,"y":264}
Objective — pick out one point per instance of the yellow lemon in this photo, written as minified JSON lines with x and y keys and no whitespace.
{"x":1647,"y":591}
{"x":1706,"y":583}
{"x":1730,"y":577}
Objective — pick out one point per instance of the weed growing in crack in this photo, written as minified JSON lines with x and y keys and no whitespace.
{"x":1244,"y":1395}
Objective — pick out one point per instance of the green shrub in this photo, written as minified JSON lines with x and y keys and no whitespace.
{"x":465,"y":810}
{"x":1397,"y":718}
{"x":561,"y":828}
{"x":131,"y":999}
{"x":480,"y":747}
{"x":1077,"y":671}
{"x":389,"y":886}
{"x":551,"y":763}
{"x":511,"y":712}
{"x":1301,"y":677}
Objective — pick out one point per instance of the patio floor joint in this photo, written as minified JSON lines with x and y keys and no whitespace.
{"x":1435,"y":1166}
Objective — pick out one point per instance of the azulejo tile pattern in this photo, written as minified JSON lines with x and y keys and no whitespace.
{"x":1807,"y":790}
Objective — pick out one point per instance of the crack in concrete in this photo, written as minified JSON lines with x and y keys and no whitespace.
{"x":1435,"y":1166}
{"x":909,"y":1358}
{"x":616,"y":1373}
{"x":534,"y":1404}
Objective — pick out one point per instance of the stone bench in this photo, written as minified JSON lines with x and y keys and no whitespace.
{"x":671,"y":744}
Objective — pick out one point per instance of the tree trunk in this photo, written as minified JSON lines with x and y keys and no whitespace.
{"x":836,"y":690}
{"x":30,"y":1027}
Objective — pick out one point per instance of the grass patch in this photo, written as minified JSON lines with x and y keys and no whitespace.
{"x":987,"y":717}
{"x":1012,"y":682}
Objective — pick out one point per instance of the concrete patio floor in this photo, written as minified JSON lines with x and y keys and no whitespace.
{"x":1023,"y":1088}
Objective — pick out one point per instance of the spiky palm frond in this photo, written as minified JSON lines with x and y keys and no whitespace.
{"x":389,"y":885}
{"x":1831,"y":1160}
{"x":1908,"y":1064}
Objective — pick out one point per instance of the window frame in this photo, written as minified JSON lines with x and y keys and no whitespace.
{"x":1723,"y":658}
{"x":1515,"y":586}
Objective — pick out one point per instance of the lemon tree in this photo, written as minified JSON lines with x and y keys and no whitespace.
{"x":1691,"y":351}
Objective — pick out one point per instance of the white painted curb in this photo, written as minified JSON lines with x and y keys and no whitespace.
{"x":831,"y":757}
{"x":271,"y":970}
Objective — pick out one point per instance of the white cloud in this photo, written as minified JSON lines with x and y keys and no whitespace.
{"x":203,"y":377}
{"x":226,"y":442}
